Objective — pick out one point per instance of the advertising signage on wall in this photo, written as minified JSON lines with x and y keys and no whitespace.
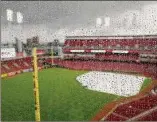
{"x":8,"y":53}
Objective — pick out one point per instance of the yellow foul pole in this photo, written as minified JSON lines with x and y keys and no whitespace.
{"x":52,"y":56}
{"x":36,"y":86}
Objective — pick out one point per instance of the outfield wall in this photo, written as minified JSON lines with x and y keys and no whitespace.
{"x":10,"y":74}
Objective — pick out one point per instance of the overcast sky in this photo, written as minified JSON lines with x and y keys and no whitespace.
{"x":69,"y":12}
{"x":52,"y":19}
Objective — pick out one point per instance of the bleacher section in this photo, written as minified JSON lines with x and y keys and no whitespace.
{"x":16,"y":66}
{"x":143,"y":109}
{"x":150,"y":117}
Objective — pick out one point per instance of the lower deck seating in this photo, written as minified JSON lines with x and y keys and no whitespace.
{"x":11,"y":66}
{"x":151,"y":117}
{"x":17,"y":64}
{"x":145,"y":103}
{"x":127,"y":111}
{"x":137,"y":107}
{"x":115,"y":118}
{"x":3,"y":70}
{"x":107,"y":65}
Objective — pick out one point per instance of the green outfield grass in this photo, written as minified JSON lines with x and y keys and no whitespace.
{"x":61,"y":97}
{"x":146,"y":82}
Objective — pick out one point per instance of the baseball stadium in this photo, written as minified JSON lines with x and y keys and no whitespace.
{"x":82,"y":78}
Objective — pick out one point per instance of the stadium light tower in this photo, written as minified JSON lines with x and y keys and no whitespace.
{"x":9,"y":15}
{"x":98,"y":22}
{"x":19,"y":19}
{"x":10,"y":20}
{"x":107,"y":21}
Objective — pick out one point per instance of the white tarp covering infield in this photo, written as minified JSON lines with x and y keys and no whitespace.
{"x":114,"y":83}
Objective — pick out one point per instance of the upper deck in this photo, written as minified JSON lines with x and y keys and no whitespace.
{"x":133,"y":44}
